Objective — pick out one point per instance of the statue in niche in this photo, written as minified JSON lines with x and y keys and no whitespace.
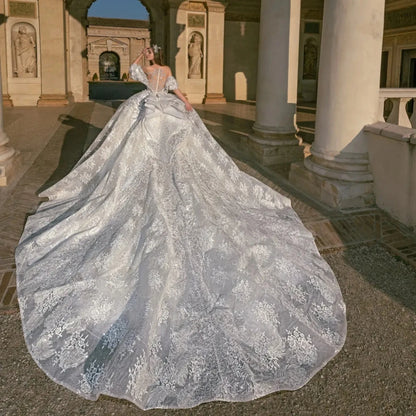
{"x":195,"y":56}
{"x":24,"y":51}
{"x":310,"y":59}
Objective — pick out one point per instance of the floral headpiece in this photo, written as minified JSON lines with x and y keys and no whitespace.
{"x":156,"y":48}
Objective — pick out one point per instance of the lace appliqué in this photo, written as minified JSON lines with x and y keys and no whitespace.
{"x":137,"y":73}
{"x":160,"y":273}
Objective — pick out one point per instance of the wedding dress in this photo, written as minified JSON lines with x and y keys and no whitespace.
{"x":160,"y":273}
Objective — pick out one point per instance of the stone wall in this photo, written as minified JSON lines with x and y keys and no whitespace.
{"x":240,"y":60}
{"x":125,"y":38}
{"x":392,"y":152}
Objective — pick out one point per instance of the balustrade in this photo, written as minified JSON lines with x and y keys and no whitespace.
{"x":397,"y":106}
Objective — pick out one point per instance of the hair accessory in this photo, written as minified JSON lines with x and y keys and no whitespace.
{"x":156,"y":48}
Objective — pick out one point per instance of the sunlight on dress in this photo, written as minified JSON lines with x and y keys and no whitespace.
{"x":160,"y":273}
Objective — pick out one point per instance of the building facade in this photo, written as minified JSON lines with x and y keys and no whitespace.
{"x":113,"y":44}
{"x":212,"y":46}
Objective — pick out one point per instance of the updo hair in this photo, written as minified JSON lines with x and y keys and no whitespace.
{"x":159,"y":58}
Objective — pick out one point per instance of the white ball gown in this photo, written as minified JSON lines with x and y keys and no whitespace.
{"x":160,"y":273}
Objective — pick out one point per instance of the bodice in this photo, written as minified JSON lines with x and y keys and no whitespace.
{"x":157,"y":80}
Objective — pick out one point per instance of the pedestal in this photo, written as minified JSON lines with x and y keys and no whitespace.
{"x":7,"y":101}
{"x":10,"y":161}
{"x":335,"y":193}
{"x":213,"y":98}
{"x":52,"y":100}
{"x":275,"y":149}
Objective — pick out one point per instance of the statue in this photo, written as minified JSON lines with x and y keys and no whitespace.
{"x":195,"y":56}
{"x":310,"y":59}
{"x":24,"y":65}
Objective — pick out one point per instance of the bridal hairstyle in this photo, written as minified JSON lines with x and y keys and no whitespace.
{"x":158,"y":55}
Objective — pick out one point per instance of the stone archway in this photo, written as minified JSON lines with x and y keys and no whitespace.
{"x":109,"y":64}
{"x":76,"y":40}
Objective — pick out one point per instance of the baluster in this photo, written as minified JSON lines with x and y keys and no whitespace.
{"x":381,"y":102}
{"x":413,"y":116}
{"x":398,"y":114}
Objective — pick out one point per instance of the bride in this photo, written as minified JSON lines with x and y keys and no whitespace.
{"x":160,"y":273}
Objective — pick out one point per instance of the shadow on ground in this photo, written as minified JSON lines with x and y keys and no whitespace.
{"x":77,"y":139}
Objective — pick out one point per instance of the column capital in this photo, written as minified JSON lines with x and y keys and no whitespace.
{"x":216,"y":6}
{"x":174,"y":4}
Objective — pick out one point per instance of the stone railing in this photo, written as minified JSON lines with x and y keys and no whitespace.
{"x":392,"y":153}
{"x":396,"y":108}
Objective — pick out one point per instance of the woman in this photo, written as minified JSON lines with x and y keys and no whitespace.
{"x":160,"y":273}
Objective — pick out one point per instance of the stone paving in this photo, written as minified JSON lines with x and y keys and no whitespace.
{"x":373,"y":257}
{"x":57,"y":138}
{"x":231,"y":124}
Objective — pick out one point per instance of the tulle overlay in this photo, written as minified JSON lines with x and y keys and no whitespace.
{"x":158,"y":272}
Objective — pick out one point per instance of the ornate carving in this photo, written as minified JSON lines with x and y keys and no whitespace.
{"x":196,"y":20}
{"x":109,"y":44}
{"x":24,"y":50}
{"x":216,"y":6}
{"x":122,"y":33}
{"x":400,"y":18}
{"x":22,"y":9}
{"x":196,"y":7}
{"x":192,"y":6}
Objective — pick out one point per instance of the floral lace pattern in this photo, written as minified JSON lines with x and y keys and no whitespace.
{"x":160,"y":273}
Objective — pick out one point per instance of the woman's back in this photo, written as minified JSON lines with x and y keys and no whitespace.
{"x":157,"y":77}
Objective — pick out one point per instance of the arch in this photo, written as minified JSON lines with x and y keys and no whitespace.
{"x":77,"y":55}
{"x":109,"y":64}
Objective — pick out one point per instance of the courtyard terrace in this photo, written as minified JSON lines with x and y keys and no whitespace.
{"x":372,"y":255}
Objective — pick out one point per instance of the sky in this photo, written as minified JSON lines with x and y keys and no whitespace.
{"x":121,"y":9}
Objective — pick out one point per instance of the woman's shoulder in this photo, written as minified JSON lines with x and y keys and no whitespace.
{"x":166,"y":69}
{"x":150,"y":68}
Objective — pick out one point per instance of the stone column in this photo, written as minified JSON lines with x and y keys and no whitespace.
{"x":7,"y":102}
{"x":172,"y":46}
{"x":215,"y":53}
{"x":52,"y":48}
{"x":337,"y":173}
{"x":274,"y":140}
{"x":9,"y":158}
{"x":78,"y":63}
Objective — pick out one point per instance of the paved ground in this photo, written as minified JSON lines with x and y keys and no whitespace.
{"x":372,"y":256}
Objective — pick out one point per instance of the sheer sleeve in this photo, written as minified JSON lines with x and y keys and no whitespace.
{"x":137,"y":73}
{"x":171,"y":83}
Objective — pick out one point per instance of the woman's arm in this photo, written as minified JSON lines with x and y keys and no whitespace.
{"x":136,"y":71}
{"x":183,"y":98}
{"x":137,"y":60}
{"x":179,"y":94}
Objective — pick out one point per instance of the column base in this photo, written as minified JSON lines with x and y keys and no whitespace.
{"x":278,"y":149}
{"x":332,"y":192}
{"x":7,"y":101}
{"x":10,"y":167}
{"x":214,"y":98}
{"x":53,"y":100}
